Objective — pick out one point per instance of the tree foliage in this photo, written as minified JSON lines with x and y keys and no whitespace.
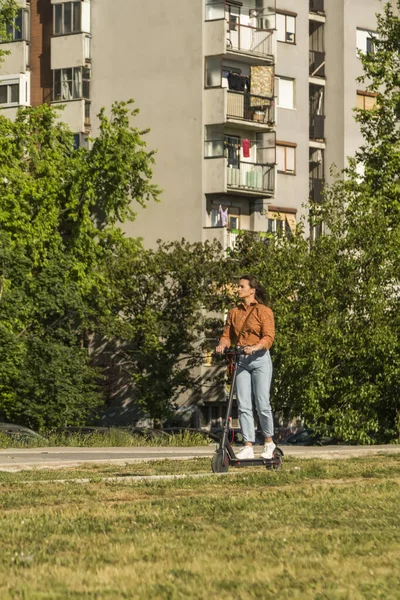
{"x":59,"y":215}
{"x":337,"y":354}
{"x":162,"y":298}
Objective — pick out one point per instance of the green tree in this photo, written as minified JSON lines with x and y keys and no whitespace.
{"x":337,"y":354}
{"x":60,"y":211}
{"x":163,"y":298}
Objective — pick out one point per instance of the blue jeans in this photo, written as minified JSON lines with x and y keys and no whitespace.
{"x":253,"y":379}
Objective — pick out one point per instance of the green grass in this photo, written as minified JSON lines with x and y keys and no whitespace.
{"x":115,"y":438}
{"x":317,"y":529}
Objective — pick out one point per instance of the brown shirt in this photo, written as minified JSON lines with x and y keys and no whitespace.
{"x":259,"y":327}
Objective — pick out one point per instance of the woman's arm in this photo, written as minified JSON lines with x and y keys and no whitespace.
{"x":267,"y":330}
{"x":225,"y":340}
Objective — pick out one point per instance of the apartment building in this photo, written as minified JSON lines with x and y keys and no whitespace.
{"x":249,"y":103}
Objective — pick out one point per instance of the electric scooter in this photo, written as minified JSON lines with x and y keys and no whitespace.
{"x":225,"y":456}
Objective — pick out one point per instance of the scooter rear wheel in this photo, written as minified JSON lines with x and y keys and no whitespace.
{"x":277,"y":460}
{"x":220,"y":462}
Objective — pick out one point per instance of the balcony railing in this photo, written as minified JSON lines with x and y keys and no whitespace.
{"x":253,"y":177}
{"x":317,"y":127}
{"x":316,"y":189}
{"x":316,"y":63}
{"x":248,"y":39}
{"x":317,"y":6}
{"x":248,"y":107}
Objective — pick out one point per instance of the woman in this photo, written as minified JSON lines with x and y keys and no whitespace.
{"x":251,"y":325}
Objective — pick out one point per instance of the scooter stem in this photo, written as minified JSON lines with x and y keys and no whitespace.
{"x":229,"y":407}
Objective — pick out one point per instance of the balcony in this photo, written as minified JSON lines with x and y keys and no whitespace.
{"x":317,"y":127}
{"x":248,"y":107}
{"x":226,"y":237}
{"x":250,"y":40}
{"x":239,"y":109}
{"x":316,"y":63}
{"x":243,"y":179}
{"x":69,"y":51}
{"x":316,"y":190}
{"x":74,"y":114}
{"x":317,"y":6}
{"x":247,"y":34}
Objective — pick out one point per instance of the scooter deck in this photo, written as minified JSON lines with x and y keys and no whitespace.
{"x":251,"y":462}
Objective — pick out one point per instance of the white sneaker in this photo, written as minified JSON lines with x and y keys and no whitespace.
{"x":246,"y":452}
{"x":268,"y":450}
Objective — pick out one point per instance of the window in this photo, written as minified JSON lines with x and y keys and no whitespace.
{"x":233,"y":222}
{"x":70,"y":84}
{"x":80,"y":141}
{"x":281,"y":222}
{"x":14,"y":29}
{"x":88,"y":54}
{"x":222,"y":217}
{"x":286,"y":157}
{"x":316,"y":231}
{"x":365,"y":100}
{"x":365,"y":41}
{"x":285,"y":92}
{"x":18,"y":29}
{"x":67,"y":18}
{"x":9,"y":93}
{"x":286,"y":26}
{"x":87,"y":114}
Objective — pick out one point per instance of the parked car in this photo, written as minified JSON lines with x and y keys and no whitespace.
{"x":308,"y":437}
{"x":20,"y":434}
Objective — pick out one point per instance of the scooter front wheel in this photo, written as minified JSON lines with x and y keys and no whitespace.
{"x":277,"y":460}
{"x":220,"y":462}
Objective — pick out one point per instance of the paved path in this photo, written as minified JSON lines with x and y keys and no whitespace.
{"x":55,"y":458}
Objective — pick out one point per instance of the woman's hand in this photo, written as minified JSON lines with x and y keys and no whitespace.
{"x":248,"y":350}
{"x":220,"y":349}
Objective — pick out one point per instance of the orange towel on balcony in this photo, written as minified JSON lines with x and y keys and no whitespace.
{"x":246,"y":148}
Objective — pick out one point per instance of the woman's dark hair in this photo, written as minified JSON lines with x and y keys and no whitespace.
{"x":254,"y":284}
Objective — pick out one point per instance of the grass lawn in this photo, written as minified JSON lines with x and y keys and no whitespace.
{"x":316,"y":530}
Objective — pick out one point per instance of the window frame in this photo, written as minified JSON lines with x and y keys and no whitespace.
{"x":9,"y":84}
{"x":62,"y":31}
{"x":279,"y":219}
{"x":278,"y":79}
{"x":11,"y":29}
{"x":286,"y":15}
{"x":363,"y":94}
{"x":84,"y":82}
{"x":233,"y":213}
{"x":286,"y":146}
{"x":370,"y":35}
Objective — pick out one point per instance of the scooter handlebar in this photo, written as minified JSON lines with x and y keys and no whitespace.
{"x":236,"y":351}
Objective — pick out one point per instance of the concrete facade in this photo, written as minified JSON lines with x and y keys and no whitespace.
{"x":176,"y":60}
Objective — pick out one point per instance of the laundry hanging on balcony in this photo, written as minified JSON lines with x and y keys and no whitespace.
{"x":246,"y":147}
{"x":223,"y":216}
{"x":238,"y":83}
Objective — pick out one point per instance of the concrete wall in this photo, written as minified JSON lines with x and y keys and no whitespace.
{"x":342,"y":68}
{"x":152,"y":52}
{"x":357,"y":13}
{"x":292,"y":125}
